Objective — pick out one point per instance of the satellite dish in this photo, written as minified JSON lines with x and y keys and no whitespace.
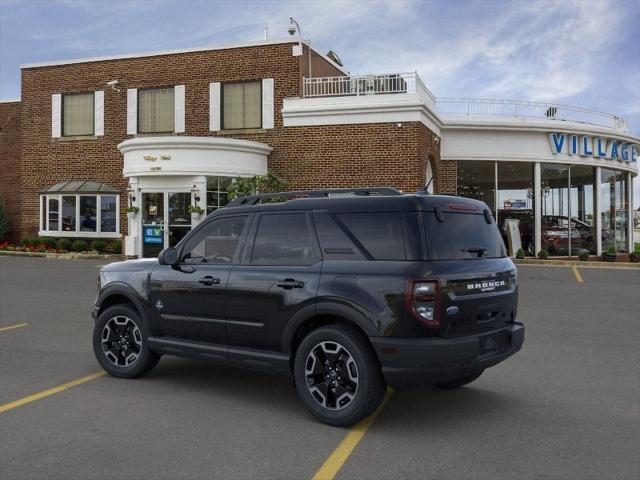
{"x":333,"y":56}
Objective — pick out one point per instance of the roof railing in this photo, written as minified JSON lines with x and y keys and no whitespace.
{"x":325,"y":193}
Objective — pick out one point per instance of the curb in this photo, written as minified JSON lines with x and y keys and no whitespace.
{"x":64,"y":256}
{"x":576,"y":263}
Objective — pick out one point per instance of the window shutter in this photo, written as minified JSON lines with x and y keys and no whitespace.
{"x":179,"y":108}
{"x":267,"y":103}
{"x":132,"y":111}
{"x":214,"y":106}
{"x":98,"y":111}
{"x":56,"y":115}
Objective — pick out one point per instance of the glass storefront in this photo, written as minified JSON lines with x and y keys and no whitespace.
{"x":614,"y":209}
{"x":567,"y":201}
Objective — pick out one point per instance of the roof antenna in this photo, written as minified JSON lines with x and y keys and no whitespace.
{"x":425,"y":190}
{"x":266,"y":32}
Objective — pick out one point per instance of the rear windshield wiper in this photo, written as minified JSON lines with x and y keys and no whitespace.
{"x":479,"y":250}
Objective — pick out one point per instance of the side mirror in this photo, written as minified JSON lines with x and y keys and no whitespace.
{"x":168,"y":256}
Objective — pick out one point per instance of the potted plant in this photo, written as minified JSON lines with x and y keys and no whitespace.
{"x":635,"y":255}
{"x":195,"y":212}
{"x":610,"y":255}
{"x":543,"y":254}
{"x":520,"y":253}
{"x":583,"y":256}
{"x":131,"y":212}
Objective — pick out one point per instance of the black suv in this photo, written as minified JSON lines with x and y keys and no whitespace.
{"x":345,"y":291}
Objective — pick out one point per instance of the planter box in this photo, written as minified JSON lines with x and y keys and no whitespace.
{"x":131,"y":216}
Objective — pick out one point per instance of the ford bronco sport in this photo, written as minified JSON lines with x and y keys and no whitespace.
{"x":346,"y":291}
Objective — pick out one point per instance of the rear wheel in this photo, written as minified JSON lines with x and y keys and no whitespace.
{"x":120,"y":343}
{"x":338,"y":376}
{"x":458,"y":382}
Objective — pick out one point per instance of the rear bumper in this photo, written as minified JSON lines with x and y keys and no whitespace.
{"x":413,"y":363}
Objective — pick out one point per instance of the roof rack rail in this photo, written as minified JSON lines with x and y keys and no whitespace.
{"x":255,"y":199}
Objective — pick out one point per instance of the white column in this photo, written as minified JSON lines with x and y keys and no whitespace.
{"x":537,"y":207}
{"x":598,"y":212}
{"x":630,"y":211}
{"x":133,"y":240}
{"x":200,"y":182}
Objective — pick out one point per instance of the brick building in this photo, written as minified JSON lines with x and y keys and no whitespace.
{"x":165,"y":130}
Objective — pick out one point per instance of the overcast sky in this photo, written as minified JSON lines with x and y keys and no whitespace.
{"x":583,"y":52}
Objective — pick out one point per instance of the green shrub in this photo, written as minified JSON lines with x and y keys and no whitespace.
{"x":98,"y":245}
{"x":543,"y":254}
{"x":114,"y":247}
{"x":4,"y":222}
{"x":47,"y":242}
{"x":583,"y":256}
{"x":28,"y":241}
{"x":79,"y":246}
{"x":611,"y":249}
{"x":64,"y":244}
{"x":634,"y":257}
{"x":520,"y":253}
{"x":242,"y":186}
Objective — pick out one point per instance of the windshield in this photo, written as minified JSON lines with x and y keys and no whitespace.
{"x":462,"y":236}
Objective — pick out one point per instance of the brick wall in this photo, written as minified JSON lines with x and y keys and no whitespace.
{"x":10,"y":161}
{"x":318,"y":156}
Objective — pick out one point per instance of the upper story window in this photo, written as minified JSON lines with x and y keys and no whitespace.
{"x":78,"y":114}
{"x":156,"y":110}
{"x":241,"y":105}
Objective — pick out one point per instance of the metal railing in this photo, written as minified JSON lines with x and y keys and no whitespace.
{"x":357,"y":85}
{"x":525,"y":108}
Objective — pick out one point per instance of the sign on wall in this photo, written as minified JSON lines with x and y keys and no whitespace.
{"x":153,"y":235}
{"x":590,"y":146}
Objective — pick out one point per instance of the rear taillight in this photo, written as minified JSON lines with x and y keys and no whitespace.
{"x":423,"y":301}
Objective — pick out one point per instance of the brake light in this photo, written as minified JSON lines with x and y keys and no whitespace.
{"x":461,"y":207}
{"x":423,"y":301}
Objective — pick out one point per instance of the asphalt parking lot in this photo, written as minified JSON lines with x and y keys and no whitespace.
{"x":567,"y":406}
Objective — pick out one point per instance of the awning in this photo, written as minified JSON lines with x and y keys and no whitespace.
{"x":81,"y":186}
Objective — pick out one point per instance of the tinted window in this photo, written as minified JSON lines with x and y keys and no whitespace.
{"x":283,"y":240}
{"x":462,"y":236}
{"x":217,"y":242}
{"x":380,"y":233}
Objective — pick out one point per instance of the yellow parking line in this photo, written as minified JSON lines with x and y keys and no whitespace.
{"x":37,"y":396}
{"x":577,"y":274}
{"x":11,"y":327}
{"x":334,"y":463}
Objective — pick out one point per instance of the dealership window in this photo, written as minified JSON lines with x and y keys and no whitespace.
{"x":156,"y":110}
{"x":555,"y":208}
{"x":581,"y":205}
{"x":73,"y":214}
{"x":217,"y":196}
{"x":78,"y":114}
{"x":516,"y":203}
{"x":477,"y":180}
{"x":241,"y":105}
{"x":614,"y":209}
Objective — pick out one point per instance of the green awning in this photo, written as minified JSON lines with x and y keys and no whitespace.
{"x":81,"y":186}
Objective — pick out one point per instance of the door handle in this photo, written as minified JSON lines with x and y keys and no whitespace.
{"x":209,"y":280}
{"x":289,"y":283}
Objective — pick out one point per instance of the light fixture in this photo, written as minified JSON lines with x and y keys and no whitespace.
{"x":195,"y":194}
{"x":132,"y":198}
{"x":294,"y":27}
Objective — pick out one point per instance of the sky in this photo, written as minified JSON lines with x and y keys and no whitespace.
{"x":584,"y":53}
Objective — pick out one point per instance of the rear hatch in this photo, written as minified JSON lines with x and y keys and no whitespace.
{"x":478,"y":282}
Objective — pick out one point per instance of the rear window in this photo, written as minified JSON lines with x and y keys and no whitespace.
{"x":380,"y":233}
{"x":462,"y":236}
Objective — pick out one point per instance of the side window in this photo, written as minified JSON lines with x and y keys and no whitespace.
{"x":283,"y":239}
{"x":217,"y":242}
{"x":380,"y":233}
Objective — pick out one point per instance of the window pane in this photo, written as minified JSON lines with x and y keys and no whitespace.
{"x":108,"y":213}
{"x":241,"y":105}
{"x":462,"y":236}
{"x":283,"y":240}
{"x":217,"y":192}
{"x":77,"y":114}
{"x":69,"y":214}
{"x":614,"y":210}
{"x":53,"y":214}
{"x":477,"y":180}
{"x":582,"y":180}
{"x":88,"y":214}
{"x":217,"y":242}
{"x":156,"y":110}
{"x":515,"y":202}
{"x":380,"y":233}
{"x":555,"y":208}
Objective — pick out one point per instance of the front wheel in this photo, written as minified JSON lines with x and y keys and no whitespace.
{"x":458,"y":382}
{"x":338,"y":376}
{"x":120,"y":343}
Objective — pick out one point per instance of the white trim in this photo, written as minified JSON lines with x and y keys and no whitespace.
{"x":56,"y":115}
{"x":9,"y":100}
{"x":598,"y":211}
{"x":179,"y":100}
{"x":132,"y":111}
{"x":78,"y":233}
{"x":630,"y":212}
{"x":214,"y":107}
{"x":47,"y":233}
{"x":170,"y":52}
{"x":98,"y":112}
{"x":268,"y":105}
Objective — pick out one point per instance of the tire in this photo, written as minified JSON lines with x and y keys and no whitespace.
{"x":121,"y":327}
{"x":458,"y":382}
{"x":348,"y":388}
